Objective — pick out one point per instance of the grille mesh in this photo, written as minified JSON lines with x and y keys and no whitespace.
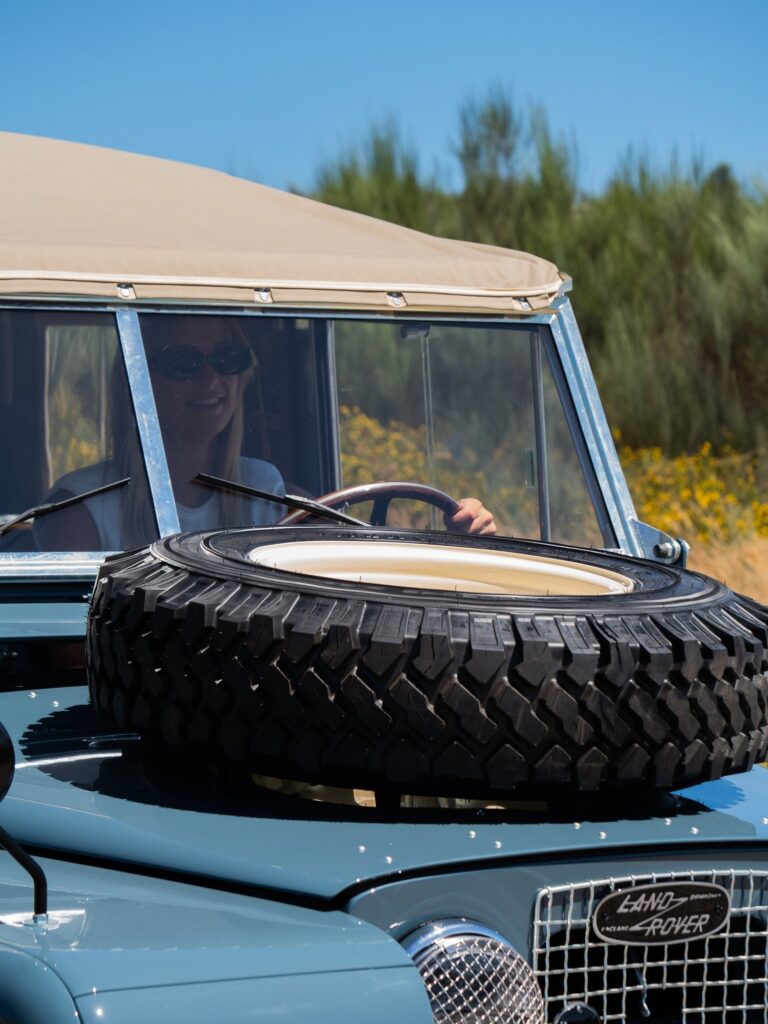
{"x":722,"y":979}
{"x":473,"y":979}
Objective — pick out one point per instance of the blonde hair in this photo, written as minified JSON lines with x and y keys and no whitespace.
{"x":137,"y":520}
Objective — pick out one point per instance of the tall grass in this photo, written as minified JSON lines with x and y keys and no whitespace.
{"x":716,"y":502}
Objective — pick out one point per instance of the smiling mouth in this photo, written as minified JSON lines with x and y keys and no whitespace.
{"x":206,"y":403}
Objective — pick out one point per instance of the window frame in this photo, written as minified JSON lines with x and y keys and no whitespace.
{"x":563,"y":349}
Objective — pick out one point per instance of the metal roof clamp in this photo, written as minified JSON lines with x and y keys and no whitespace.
{"x":263,"y":295}
{"x":396,"y":299}
{"x":126,"y":291}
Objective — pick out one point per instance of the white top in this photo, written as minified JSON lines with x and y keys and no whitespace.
{"x":105,"y":509}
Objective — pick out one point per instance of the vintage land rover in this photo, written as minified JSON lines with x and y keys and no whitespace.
{"x":290,"y":733}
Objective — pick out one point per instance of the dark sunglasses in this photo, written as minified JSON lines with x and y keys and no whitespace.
{"x":183,"y":362}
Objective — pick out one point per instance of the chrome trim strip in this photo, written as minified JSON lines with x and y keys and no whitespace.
{"x":512,"y":318}
{"x":594,"y":427}
{"x":63,"y":566}
{"x":289,"y":284}
{"x":331,"y":410}
{"x":48,"y":762}
{"x":540,"y":428}
{"x":146,"y":417}
{"x":451,"y":927}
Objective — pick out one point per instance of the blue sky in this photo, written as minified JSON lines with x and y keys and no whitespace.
{"x":271,"y":90}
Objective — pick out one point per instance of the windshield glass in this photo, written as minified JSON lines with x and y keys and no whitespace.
{"x":472,"y":410}
{"x":306,"y":406}
{"x":246,"y":400}
{"x":295,"y":405}
{"x":66,"y":427}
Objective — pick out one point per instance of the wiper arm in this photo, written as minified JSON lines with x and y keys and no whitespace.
{"x":53,"y":506}
{"x":291,"y":500}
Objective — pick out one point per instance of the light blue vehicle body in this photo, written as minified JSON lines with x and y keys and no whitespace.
{"x":172,"y":900}
{"x":162,"y":911}
{"x":170,"y":913}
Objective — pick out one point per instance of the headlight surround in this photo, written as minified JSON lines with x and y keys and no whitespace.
{"x":473,"y":975}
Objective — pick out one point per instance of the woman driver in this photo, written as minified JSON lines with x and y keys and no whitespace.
{"x":200,"y":367}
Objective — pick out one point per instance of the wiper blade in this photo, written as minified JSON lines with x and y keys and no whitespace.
{"x":53,"y":506}
{"x":291,"y":500}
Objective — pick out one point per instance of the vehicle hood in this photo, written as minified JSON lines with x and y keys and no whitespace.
{"x":85,"y":792}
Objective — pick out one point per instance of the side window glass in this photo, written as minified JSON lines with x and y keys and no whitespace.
{"x":67,"y":427}
{"x":449,"y":406}
{"x":484,"y":440}
{"x":470,"y":409}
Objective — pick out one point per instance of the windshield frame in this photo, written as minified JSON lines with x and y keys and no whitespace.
{"x":563,"y":350}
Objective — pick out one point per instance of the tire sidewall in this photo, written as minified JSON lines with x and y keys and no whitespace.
{"x":223,"y":555}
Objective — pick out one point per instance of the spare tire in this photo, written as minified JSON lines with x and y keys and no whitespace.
{"x":421,"y":669}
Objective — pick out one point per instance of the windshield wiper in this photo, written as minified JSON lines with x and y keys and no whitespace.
{"x":53,"y":506}
{"x":291,"y":500}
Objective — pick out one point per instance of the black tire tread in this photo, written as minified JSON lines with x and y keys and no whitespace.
{"x":428,"y":699}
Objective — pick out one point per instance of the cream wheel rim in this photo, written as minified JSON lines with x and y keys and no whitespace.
{"x":440,"y":567}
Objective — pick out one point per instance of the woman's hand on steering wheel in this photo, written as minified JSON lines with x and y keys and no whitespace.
{"x":472,"y":517}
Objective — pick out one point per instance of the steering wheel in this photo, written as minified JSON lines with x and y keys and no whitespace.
{"x":382,"y":493}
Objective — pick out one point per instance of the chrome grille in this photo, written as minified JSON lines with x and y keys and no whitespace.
{"x":722,"y":979}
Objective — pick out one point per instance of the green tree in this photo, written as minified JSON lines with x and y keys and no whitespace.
{"x":383,"y":180}
{"x":670,"y":267}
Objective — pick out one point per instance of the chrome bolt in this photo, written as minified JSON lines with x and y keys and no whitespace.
{"x":669,"y":550}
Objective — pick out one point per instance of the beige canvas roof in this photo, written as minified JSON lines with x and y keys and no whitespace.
{"x":80,"y":220}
